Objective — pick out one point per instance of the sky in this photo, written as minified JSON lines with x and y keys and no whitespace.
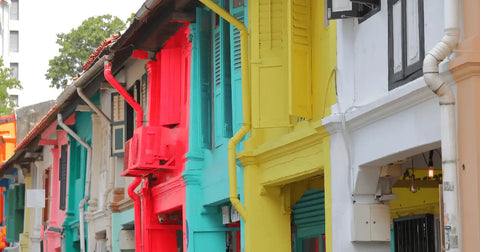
{"x":39,"y":23}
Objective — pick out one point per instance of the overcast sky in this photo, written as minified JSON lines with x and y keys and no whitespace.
{"x":40,"y":21}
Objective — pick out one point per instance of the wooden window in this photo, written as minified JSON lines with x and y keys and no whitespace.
{"x":406,"y":49}
{"x":222,"y":93}
{"x":46,"y":186}
{"x":171,"y":88}
{"x":203,"y":55}
{"x":238,"y":10}
{"x":118,"y":124}
{"x":63,"y":176}
{"x":301,"y":42}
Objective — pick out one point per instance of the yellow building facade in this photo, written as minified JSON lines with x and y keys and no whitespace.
{"x":292,"y":75}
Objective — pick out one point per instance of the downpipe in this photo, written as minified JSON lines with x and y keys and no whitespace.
{"x":82,"y":203}
{"x":131,"y":193}
{"x":232,"y":143}
{"x":137,"y":212}
{"x":452,"y":228}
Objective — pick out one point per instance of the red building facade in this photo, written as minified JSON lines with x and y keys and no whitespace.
{"x":155,"y":154}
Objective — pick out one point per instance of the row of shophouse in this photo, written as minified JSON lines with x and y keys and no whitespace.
{"x":233,"y":125}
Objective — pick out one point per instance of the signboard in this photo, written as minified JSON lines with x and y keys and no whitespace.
{"x":35,"y":198}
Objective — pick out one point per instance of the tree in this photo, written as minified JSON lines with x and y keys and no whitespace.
{"x":77,"y":45}
{"x":7,"y":81}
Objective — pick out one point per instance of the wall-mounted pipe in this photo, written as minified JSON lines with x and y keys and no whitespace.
{"x":82,"y":203}
{"x":109,"y":77}
{"x":232,"y":159}
{"x":111,"y":185}
{"x":92,"y":105}
{"x":137,"y":204}
{"x":452,"y":225}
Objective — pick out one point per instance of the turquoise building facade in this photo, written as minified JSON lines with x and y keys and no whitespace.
{"x":76,"y":179}
{"x":215,"y":115}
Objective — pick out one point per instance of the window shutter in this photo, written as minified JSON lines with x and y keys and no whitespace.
{"x":118,"y":125}
{"x":144,"y":96}
{"x":238,"y":10}
{"x":301,"y":68}
{"x":63,"y":177}
{"x":171,"y":86}
{"x":203,"y":33}
{"x":221,"y":79}
{"x":46,"y":186}
{"x":130,"y":119}
{"x":10,"y":215}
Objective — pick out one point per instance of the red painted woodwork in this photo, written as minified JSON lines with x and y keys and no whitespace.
{"x":157,"y":151}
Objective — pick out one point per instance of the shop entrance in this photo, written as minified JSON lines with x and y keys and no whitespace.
{"x":308,"y":222}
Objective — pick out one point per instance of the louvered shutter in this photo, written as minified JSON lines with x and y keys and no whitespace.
{"x":238,"y":10}
{"x":171,"y":86}
{"x":144,"y":96}
{"x":301,"y":82}
{"x":310,"y":209}
{"x":46,"y":186}
{"x":129,"y":113}
{"x":221,"y":78}
{"x":118,"y":125}
{"x":203,"y":57}
{"x":63,"y":176}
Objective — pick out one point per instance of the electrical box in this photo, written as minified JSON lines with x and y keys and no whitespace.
{"x":371,"y":222}
{"x":127,"y":239}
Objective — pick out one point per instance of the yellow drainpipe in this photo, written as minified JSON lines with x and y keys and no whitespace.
{"x":232,"y":159}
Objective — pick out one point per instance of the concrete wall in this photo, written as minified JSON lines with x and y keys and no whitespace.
{"x":29,"y":116}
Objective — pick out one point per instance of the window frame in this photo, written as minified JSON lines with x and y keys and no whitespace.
{"x":414,"y":71}
{"x":17,"y":43}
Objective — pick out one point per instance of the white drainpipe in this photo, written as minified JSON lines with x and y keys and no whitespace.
{"x":452,"y":223}
{"x":81,"y":205}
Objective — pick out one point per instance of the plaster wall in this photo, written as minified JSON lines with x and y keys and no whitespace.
{"x":359,"y":83}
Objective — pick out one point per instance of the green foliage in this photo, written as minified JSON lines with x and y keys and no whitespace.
{"x":7,"y":82}
{"x":77,"y":45}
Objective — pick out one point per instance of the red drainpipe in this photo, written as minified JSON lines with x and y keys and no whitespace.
{"x":138,"y":213}
{"x":133,"y":195}
{"x":108,"y":75}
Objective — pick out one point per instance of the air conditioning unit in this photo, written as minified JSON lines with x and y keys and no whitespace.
{"x":150,"y":150}
{"x":340,"y":9}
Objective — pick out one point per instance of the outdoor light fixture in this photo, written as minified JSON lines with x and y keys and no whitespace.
{"x":430,"y":165}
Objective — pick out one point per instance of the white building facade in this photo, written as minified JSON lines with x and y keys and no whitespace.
{"x":385,"y":127}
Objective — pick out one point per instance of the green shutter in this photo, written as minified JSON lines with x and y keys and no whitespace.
{"x":238,"y":9}
{"x":221,"y":78}
{"x":15,"y":215}
{"x":310,"y":210}
{"x":203,"y":53}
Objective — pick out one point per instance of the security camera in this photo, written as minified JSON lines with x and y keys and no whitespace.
{"x":161,"y":218}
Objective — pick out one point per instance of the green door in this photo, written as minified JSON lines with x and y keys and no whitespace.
{"x":308,"y":222}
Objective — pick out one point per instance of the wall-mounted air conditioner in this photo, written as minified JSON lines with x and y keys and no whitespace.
{"x":339,"y":9}
{"x":150,"y":150}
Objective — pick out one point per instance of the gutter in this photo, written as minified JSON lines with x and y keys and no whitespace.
{"x":232,"y":159}
{"x":452,"y":218}
{"x":82,"y":203}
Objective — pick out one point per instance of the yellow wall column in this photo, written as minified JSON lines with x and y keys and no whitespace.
{"x":466,"y":71}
